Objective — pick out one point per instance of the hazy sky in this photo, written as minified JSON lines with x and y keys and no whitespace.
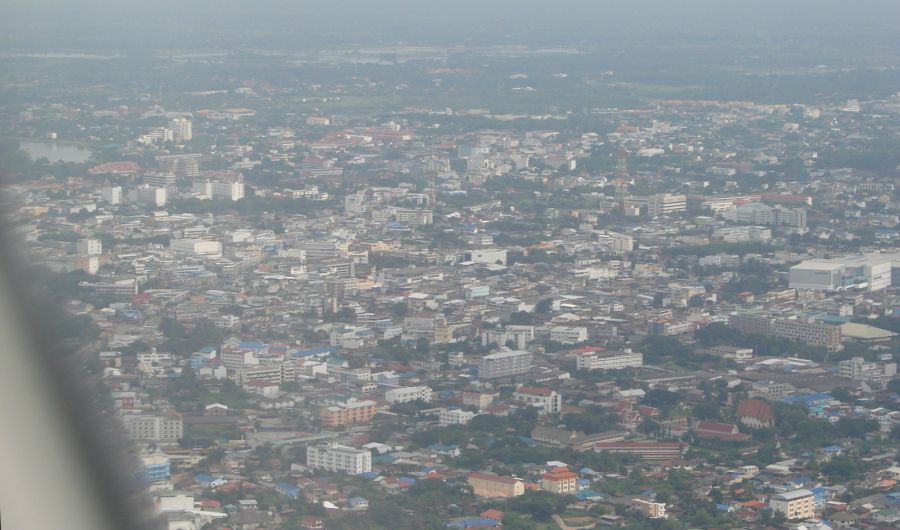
{"x":449,"y":21}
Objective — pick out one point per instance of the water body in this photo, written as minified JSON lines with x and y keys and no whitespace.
{"x":56,"y":152}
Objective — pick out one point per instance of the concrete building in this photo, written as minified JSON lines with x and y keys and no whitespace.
{"x":231,"y":191}
{"x":811,"y":331}
{"x":152,"y":428}
{"x":339,"y":459}
{"x":797,"y":504}
{"x":490,"y":485}
{"x":504,"y":364}
{"x":406,"y":394}
{"x":348,"y":412}
{"x":665,"y":204}
{"x":455,"y":417}
{"x":196,"y":247}
{"x":871,"y":272}
{"x":650,"y":509}
{"x":111,"y":194}
{"x":89,"y":247}
{"x":546,"y":400}
{"x":758,"y":213}
{"x":608,"y":360}
{"x":182,"y":130}
{"x":561,"y":481}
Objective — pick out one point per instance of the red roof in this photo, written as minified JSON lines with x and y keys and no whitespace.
{"x":559,"y":474}
{"x":587,"y":349}
{"x":755,"y":408}
{"x":714,"y":426}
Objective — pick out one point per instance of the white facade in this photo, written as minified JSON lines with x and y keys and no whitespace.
{"x":455,"y":417}
{"x":504,"y":364}
{"x":406,"y":394}
{"x":871,"y":272}
{"x":111,"y":194}
{"x":160,"y":429}
{"x":568,"y":334}
{"x":609,"y":360}
{"x":232,"y":191}
{"x":89,"y":247}
{"x":339,"y":459}
{"x":151,"y":196}
{"x":182,"y":130}
{"x":666,"y":203}
{"x":196,"y":247}
{"x":545,"y":400}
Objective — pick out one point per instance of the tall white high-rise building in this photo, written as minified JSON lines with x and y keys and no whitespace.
{"x":339,"y":459}
{"x":111,"y":194}
{"x":182,"y":130}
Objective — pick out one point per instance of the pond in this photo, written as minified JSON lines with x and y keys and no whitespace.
{"x":56,"y":152}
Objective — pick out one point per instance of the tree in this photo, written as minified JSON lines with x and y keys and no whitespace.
{"x":544,"y":306}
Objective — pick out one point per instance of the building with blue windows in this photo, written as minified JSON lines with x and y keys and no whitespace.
{"x":155,"y":466}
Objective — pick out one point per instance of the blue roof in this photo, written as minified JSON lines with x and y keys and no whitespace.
{"x":251,"y":345}
{"x":357,"y":499}
{"x":203,"y":477}
{"x":587,"y":494}
{"x":407,"y":480}
{"x":529,"y":441}
{"x":468,"y":523}
{"x":368,"y":475}
{"x":832,"y":448}
{"x":723,"y":507}
{"x":290,"y":489}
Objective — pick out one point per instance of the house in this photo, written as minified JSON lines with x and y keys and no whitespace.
{"x":311,"y":522}
{"x":288,"y":490}
{"x":755,"y":414}
{"x":358,"y":504}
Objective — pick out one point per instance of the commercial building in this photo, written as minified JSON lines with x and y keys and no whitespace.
{"x":111,"y":194}
{"x":665,"y":204}
{"x":182,"y":130}
{"x":561,"y":481}
{"x":89,"y":247}
{"x":797,"y":504}
{"x":490,"y":485}
{"x":809,"y":330}
{"x":758,"y":213}
{"x":150,"y":428}
{"x":608,"y":360}
{"x":155,"y":466}
{"x":231,"y":191}
{"x":406,"y":394}
{"x":339,"y":459}
{"x":349,"y":412}
{"x":870,"y":272}
{"x":196,"y":247}
{"x":504,"y":364}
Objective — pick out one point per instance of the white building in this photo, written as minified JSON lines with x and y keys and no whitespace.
{"x":519,"y":335}
{"x":150,"y":195}
{"x":608,"y":360}
{"x":89,"y":247}
{"x":182,"y":130}
{"x":870,"y":272}
{"x":196,"y":247}
{"x":339,"y":459}
{"x":111,"y":194}
{"x":487,"y":255}
{"x":405,"y":394}
{"x":665,"y":204}
{"x":616,"y":243}
{"x":150,"y":428}
{"x":455,"y":417}
{"x":568,"y":334}
{"x":232,"y":191}
{"x":546,"y":400}
{"x":504,"y":364}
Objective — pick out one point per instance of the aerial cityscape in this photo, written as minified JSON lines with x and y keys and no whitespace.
{"x":413,"y":282}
